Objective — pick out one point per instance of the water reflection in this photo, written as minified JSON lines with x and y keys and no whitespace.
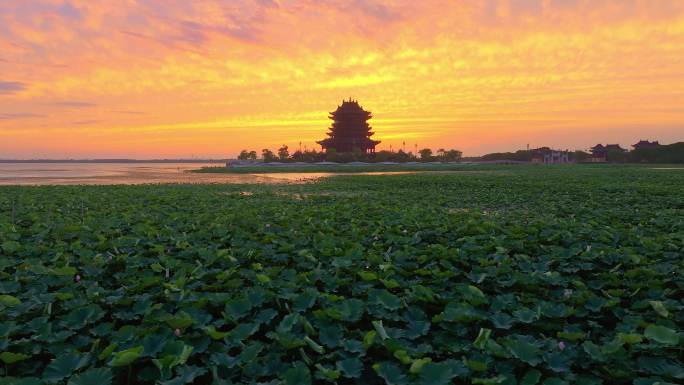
{"x":140,"y":173}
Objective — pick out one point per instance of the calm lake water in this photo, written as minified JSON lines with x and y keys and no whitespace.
{"x":126,"y":173}
{"x":135,"y":173}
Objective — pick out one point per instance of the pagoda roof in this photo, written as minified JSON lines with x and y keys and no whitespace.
{"x":646,"y":143}
{"x":350,"y":107}
{"x":337,"y":141}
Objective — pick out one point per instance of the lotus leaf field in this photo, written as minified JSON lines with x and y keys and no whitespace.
{"x":500,"y":275}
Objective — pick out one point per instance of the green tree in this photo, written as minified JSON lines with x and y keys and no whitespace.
{"x":283,"y":153}
{"x":579,"y":156}
{"x":244,"y":155}
{"x":359,"y":155}
{"x":297,"y":156}
{"x":331,"y":155}
{"x":312,"y":156}
{"x":425,"y":155}
{"x":452,"y":155}
{"x":268,"y":155}
{"x":616,"y":156}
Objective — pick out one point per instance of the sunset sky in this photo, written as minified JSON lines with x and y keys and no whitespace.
{"x":177,"y":78}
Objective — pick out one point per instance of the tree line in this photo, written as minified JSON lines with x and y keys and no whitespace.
{"x":283,"y":155}
{"x":670,"y":153}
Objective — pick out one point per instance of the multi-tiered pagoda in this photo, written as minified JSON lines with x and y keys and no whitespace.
{"x":350,"y":129}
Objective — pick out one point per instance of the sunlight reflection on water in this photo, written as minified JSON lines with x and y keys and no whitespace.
{"x":140,"y":173}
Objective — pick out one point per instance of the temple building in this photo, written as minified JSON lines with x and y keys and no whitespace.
{"x":599,"y":153}
{"x":350,"y":129}
{"x":645,"y":144}
{"x":545,"y":155}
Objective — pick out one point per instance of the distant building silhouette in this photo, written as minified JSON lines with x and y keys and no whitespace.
{"x":644,"y":144}
{"x":350,"y":129}
{"x":599,"y":153}
{"x":545,"y":155}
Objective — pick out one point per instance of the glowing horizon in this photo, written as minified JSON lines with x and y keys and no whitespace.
{"x":172,"y":78}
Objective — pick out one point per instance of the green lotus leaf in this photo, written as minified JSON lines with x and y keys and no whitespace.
{"x":482,"y":338}
{"x":369,"y":339}
{"x":64,"y":270}
{"x":313,"y":345}
{"x":571,"y":336}
{"x":174,"y":354}
{"x":384,"y":298}
{"x":82,"y":316}
{"x":11,"y":247}
{"x":588,"y":380}
{"x":476,"y":365}
{"x":185,"y":375}
{"x":524,"y":351}
{"x":126,"y":357}
{"x":630,"y":338}
{"x":180,"y":320}
{"x":251,"y":352}
{"x":8,"y":300}
{"x":651,"y":381}
{"x":593,"y":350}
{"x":299,"y":375}
{"x":10,"y":358}
{"x":367,"y":275}
{"x":661,"y":367}
{"x":153,"y":344}
{"x":612,"y":347}
{"x":157,"y":268}
{"x":403,"y":357}
{"x":489,"y":381}
{"x":20,"y":381}
{"x":418,"y":364}
{"x":502,"y":320}
{"x":350,"y":310}
{"x":288,"y":322}
{"x":474,"y":295}
{"x":99,"y":376}
{"x":350,"y":367}
{"x":532,"y":377}
{"x":558,"y":361}
{"x":391,"y":373}
{"x":326,"y":373}
{"x":61,"y":367}
{"x":526,"y":315}
{"x":263,"y":278}
{"x":554,"y":381}
{"x":661,"y":334}
{"x":331,"y":335}
{"x":660,"y":308}
{"x":436,"y":374}
{"x":460,"y":312}
{"x":238,"y":308}
{"x":380,"y":329}
{"x":108,"y":351}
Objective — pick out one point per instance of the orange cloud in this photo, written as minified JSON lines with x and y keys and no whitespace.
{"x":175,"y":78}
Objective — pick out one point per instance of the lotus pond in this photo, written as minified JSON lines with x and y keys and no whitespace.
{"x":512,"y":275}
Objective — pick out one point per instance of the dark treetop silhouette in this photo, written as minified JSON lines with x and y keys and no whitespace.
{"x":350,"y":129}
